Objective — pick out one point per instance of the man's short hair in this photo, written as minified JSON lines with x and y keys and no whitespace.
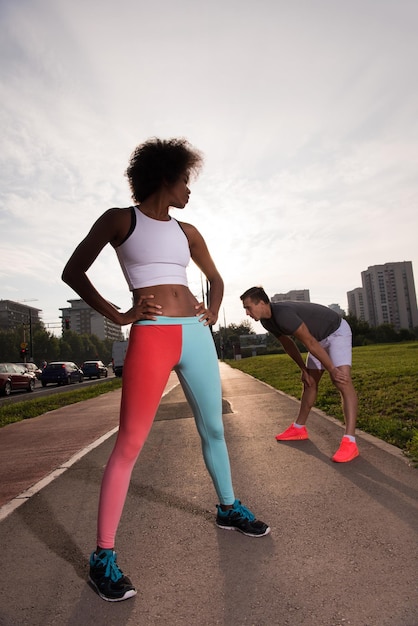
{"x":256,"y":294}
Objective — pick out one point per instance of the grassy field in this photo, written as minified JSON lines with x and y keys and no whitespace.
{"x":385,"y":377}
{"x":26,"y":409}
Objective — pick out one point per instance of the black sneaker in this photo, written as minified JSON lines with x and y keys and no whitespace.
{"x":108,"y":580}
{"x":240,"y":518}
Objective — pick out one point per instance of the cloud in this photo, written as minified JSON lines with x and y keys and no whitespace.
{"x":306,"y":115}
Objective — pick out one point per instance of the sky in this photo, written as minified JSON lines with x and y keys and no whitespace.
{"x":306,"y":113}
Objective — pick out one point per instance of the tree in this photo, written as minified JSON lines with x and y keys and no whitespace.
{"x":9,"y":346}
{"x":48,"y":347}
{"x":227,"y":339}
{"x":385,"y":333}
{"x":360,"y":329}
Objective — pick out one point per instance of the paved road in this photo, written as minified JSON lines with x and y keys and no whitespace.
{"x":342,"y":550}
{"x":41,"y":392}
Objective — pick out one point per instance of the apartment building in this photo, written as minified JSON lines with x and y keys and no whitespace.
{"x":387,"y":296}
{"x":336,"y":307}
{"x":355,"y":299}
{"x":82,"y":319}
{"x":296,"y":295}
{"x":15,"y":314}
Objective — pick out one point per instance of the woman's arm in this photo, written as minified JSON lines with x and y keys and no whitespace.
{"x":201,"y":256}
{"x":109,"y":228}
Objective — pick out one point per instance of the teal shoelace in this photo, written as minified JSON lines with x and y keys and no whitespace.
{"x":240,"y":509}
{"x":243,"y":511}
{"x":108,"y":561}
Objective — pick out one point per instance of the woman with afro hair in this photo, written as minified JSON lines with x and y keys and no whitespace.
{"x":170,"y":330}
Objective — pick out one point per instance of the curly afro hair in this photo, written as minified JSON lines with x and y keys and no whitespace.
{"x":160,"y":161}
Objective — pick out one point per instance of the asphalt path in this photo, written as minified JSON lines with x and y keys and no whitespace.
{"x":342,"y":547}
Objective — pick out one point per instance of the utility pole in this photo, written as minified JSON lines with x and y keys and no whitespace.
{"x":30,"y":336}
{"x":30,"y":329}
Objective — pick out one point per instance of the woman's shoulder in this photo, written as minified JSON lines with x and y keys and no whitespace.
{"x":116,"y":215}
{"x":116,"y":222}
{"x":189,"y":229}
{"x":118,"y":211}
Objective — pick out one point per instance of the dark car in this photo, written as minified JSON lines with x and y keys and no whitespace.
{"x":15,"y":377}
{"x":32,"y":368}
{"x":62,"y":373}
{"x":94,"y":369}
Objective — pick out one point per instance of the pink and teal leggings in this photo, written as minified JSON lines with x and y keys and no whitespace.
{"x":155,"y":348}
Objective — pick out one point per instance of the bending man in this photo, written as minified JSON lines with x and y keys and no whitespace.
{"x":327,"y":337}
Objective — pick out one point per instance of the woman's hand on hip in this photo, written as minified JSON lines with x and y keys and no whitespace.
{"x":206,"y":315}
{"x":144,"y":309}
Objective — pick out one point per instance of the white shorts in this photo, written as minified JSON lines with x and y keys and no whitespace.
{"x":338,"y":346}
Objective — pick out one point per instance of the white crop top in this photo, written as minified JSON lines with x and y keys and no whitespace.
{"x":154,"y":252}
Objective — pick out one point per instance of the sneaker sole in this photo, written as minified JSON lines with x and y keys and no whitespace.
{"x":129,"y":594}
{"x":266,"y":532}
{"x":278,"y":438}
{"x":351,"y":458}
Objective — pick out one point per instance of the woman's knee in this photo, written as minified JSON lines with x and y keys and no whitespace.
{"x":212,"y":429}
{"x":127,"y":450}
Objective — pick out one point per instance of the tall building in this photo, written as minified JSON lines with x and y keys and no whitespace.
{"x":296,"y":295}
{"x":337,"y":309}
{"x":14,"y":314}
{"x":355,"y":299}
{"x":82,"y":319}
{"x":389,"y":295}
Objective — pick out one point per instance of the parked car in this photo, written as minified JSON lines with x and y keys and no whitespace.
{"x":14,"y":377}
{"x":31,"y":367}
{"x":62,"y":373}
{"x":94,"y":369}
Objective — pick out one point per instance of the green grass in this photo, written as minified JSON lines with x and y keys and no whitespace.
{"x":15,"y":412}
{"x":385,"y":377}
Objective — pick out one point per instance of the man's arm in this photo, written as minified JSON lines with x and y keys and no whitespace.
{"x":315,"y":348}
{"x":293,"y":351}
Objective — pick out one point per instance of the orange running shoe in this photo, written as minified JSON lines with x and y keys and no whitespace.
{"x":293,"y":434}
{"x":346,"y":452}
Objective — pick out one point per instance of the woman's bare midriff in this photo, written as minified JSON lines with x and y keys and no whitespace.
{"x":175,"y":300}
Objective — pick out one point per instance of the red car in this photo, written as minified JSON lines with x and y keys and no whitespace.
{"x":14,"y":378}
{"x":32,"y":369}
